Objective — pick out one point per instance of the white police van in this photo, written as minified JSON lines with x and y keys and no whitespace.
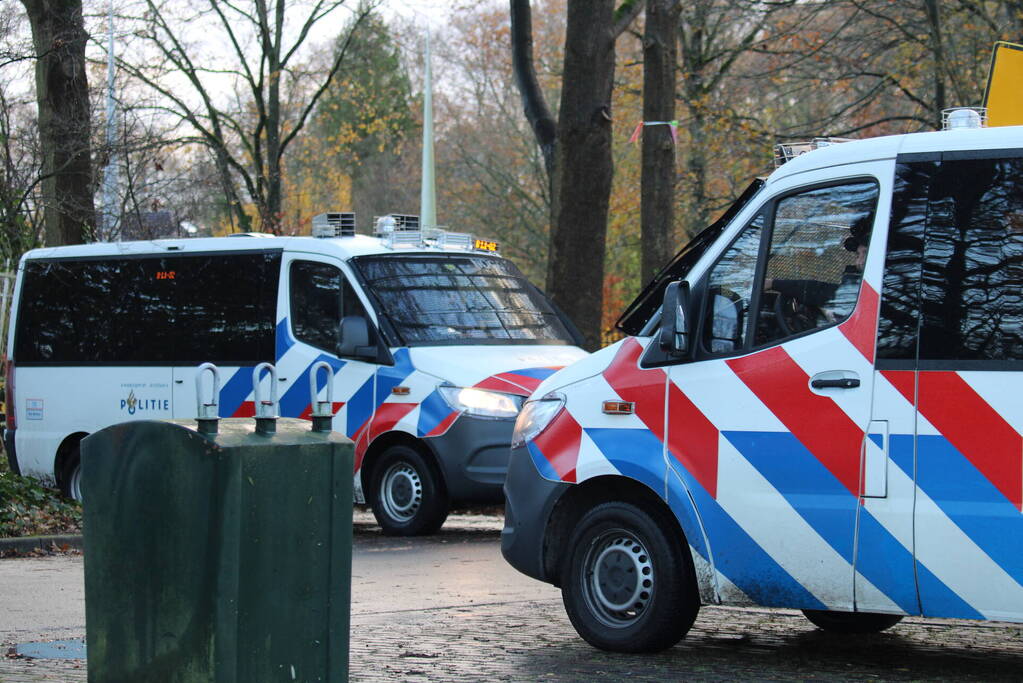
{"x":818,"y":407}
{"x":434,"y":341}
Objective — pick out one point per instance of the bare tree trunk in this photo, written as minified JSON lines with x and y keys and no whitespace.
{"x":938,"y":50}
{"x":583,"y":168}
{"x":538,"y":114}
{"x":657,"y":179}
{"x":62,"y":91}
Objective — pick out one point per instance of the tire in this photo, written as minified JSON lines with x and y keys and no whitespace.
{"x":628,"y":584}
{"x":408,"y":496}
{"x":71,"y":476}
{"x":851,"y":622}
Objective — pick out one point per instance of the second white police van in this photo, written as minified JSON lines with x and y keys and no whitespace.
{"x":818,"y":407}
{"x":434,"y":341}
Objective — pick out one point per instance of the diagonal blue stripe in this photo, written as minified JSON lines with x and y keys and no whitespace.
{"x":636,"y":453}
{"x":235,"y":390}
{"x":887,"y":564}
{"x":741,"y":559}
{"x":432,"y":411}
{"x":806,"y":484}
{"x":284,"y":340}
{"x":535,"y":373}
{"x":966,"y":497}
{"x":297,"y":397}
{"x":541,"y":463}
{"x":390,"y":376}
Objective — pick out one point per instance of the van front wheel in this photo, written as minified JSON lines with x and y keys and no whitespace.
{"x":408,"y":497}
{"x":627,"y":586}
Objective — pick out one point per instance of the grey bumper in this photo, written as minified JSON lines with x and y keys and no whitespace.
{"x":473,"y":455}
{"x":529,"y":501}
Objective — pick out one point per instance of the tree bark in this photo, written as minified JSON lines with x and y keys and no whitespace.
{"x":62,"y":92}
{"x":538,"y":114}
{"x":657,"y":175}
{"x":583,"y":168}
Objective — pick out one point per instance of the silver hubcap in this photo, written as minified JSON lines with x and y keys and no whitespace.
{"x":401,"y":492}
{"x":619,"y":578}
{"x":75,"y":485}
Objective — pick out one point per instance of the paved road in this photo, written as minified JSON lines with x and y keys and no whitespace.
{"x":447,"y":608}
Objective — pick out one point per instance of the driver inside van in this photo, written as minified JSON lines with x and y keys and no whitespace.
{"x":819,"y":302}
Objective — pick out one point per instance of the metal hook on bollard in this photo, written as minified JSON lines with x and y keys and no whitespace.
{"x":207,"y":414}
{"x":266,"y":411}
{"x":322,"y":411}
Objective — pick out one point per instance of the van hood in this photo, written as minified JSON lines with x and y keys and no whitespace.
{"x":595,"y":363}
{"x":511,"y":369}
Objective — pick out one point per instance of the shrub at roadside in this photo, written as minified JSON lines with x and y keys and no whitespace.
{"x":28,"y":509}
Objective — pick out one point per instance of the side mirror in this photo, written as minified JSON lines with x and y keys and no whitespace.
{"x":674,"y":337}
{"x":355,"y":337}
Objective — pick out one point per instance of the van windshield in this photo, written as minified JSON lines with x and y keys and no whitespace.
{"x":460,"y":299}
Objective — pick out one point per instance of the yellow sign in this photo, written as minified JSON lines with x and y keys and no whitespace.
{"x":486,"y":245}
{"x":1004,"y":96}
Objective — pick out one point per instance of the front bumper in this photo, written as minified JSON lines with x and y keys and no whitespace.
{"x":473,"y":455}
{"x":529,"y":502}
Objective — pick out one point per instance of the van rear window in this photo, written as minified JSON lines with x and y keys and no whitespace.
{"x":169,"y":310}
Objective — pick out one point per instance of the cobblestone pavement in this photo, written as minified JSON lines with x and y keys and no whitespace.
{"x":532,"y":640}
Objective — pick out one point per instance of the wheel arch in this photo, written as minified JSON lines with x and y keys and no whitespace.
{"x":66,"y":451}
{"x":397,"y":438}
{"x":579,"y":499}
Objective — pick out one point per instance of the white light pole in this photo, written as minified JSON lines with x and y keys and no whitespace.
{"x":110,"y":213}
{"x":428,"y":191}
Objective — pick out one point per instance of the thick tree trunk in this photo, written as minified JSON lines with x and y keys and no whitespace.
{"x":583,"y":168}
{"x":62,"y":91}
{"x":657,"y":180}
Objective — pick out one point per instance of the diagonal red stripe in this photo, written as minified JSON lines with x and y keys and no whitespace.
{"x":498,"y":383}
{"x":560,"y":443}
{"x":645,"y":388}
{"x":975,"y":429}
{"x":861,"y":327}
{"x":817,"y":421}
{"x":693,"y":439}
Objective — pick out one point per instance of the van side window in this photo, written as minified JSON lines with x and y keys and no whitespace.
{"x":972,"y":276}
{"x":170,"y":310}
{"x":320,"y":297}
{"x":819,"y":245}
{"x":730,"y":291}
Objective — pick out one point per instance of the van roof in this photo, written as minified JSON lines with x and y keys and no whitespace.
{"x":890,"y":146}
{"x":343,"y":248}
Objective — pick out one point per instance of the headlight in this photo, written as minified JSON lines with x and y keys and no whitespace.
{"x":535,"y":417}
{"x":480,"y":402}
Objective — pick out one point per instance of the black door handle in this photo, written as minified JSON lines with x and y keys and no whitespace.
{"x":839,"y":383}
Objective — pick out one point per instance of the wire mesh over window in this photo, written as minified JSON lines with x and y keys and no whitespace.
{"x":460,"y":299}
{"x":815,"y":266}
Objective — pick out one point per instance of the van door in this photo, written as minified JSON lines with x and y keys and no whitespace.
{"x":766,"y":426}
{"x":968,"y":451}
{"x":318,"y":296}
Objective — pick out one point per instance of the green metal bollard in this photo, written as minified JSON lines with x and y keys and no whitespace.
{"x":219,"y":556}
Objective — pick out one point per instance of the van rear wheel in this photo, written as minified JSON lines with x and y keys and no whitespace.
{"x":71,"y":476}
{"x":851,"y":622}
{"x":408,"y":498}
{"x":627,"y":585}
